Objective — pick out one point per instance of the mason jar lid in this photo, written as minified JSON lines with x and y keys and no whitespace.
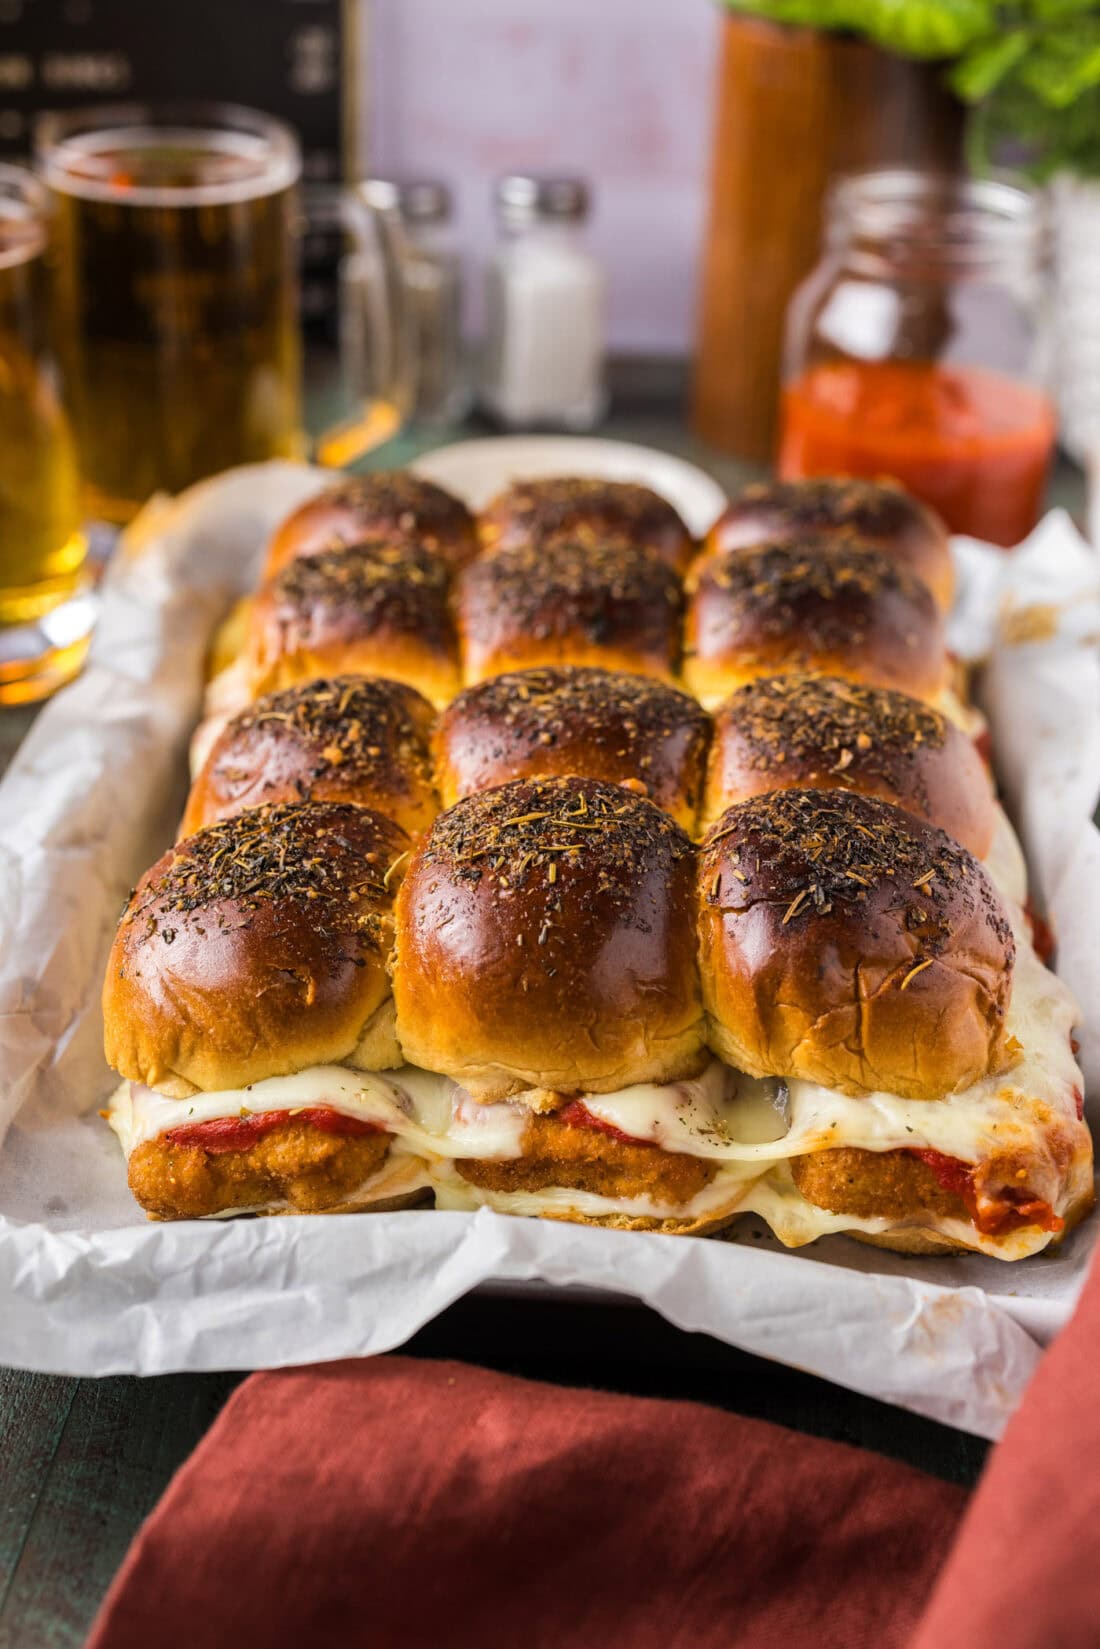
{"x":898,"y":214}
{"x":522,"y":198}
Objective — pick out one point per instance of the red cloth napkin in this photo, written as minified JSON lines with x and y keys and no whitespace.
{"x":1025,"y":1571}
{"x":403,"y":1503}
{"x":408,"y":1503}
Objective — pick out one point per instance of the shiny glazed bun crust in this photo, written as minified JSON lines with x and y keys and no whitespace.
{"x":256,"y":948}
{"x":601,"y":724}
{"x":823,"y":605}
{"x":609,"y":605}
{"x":877,"y":512}
{"x":585,"y":510}
{"x":393,"y":506}
{"x":545,"y":940}
{"x":824,"y":733}
{"x":848,"y":943}
{"x":345,"y":739}
{"x":362,"y":609}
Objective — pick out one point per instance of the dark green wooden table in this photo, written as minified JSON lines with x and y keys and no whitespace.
{"x":82,"y":1462}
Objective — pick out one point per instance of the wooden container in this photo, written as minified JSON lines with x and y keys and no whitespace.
{"x":794,"y":109}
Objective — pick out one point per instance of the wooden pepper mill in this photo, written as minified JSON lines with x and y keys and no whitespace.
{"x":795,"y":109}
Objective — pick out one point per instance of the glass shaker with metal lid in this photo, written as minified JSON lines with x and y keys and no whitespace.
{"x":545,"y":296}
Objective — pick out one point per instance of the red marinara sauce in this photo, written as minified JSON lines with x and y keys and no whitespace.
{"x":577,"y":1115}
{"x":991,"y":1214}
{"x":239,"y":1132}
{"x":974,"y":444}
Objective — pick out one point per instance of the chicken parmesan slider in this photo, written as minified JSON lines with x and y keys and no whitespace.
{"x":248,"y":972}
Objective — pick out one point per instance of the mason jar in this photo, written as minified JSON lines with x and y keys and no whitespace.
{"x":915,"y":349}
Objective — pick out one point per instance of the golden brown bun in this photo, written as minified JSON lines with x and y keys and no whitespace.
{"x":545,"y":939}
{"x":565,"y":603}
{"x":850,"y":944}
{"x":393,"y":506}
{"x":361,"y":610}
{"x":602,"y":724}
{"x":345,"y":739}
{"x":824,"y":733}
{"x":255,"y":949}
{"x":877,"y":512}
{"x":585,"y":510}
{"x":822,"y":605}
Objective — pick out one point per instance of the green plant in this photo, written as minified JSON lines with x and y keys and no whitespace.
{"x":1030,"y":70}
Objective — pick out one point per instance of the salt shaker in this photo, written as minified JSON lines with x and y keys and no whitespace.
{"x":545,"y":308}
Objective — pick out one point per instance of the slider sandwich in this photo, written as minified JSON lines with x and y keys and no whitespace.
{"x":585,"y":510}
{"x":827,"y":605}
{"x":861,"y":962}
{"x":246,"y":999}
{"x":827,"y":733}
{"x":372,"y":609}
{"x":387,"y":506}
{"x":545,"y":964}
{"x":568,"y":719}
{"x":340,"y":739}
{"x":607,"y":603}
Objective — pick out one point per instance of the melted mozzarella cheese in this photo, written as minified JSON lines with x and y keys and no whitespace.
{"x":428,"y":1113}
{"x":732,"y":1118}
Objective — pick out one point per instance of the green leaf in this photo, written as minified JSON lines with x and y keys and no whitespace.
{"x":986,"y":65}
{"x":1064,"y":65}
{"x":929,"y":28}
{"x":912,"y":28}
{"x":1056,"y":11}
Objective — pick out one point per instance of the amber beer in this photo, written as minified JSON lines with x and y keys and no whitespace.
{"x":176,"y":311}
{"x":42,"y":548}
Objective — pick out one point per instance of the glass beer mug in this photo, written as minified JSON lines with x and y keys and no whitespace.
{"x":176,"y":301}
{"x":42,"y":549}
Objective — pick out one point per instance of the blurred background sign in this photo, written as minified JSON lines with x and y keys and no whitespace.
{"x":287,"y":57}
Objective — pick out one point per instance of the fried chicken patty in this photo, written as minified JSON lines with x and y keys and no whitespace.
{"x":581,"y":1158}
{"x":889,"y":1185}
{"x":307,"y":1168}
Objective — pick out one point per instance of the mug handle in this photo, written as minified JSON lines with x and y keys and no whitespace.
{"x":376,"y":357}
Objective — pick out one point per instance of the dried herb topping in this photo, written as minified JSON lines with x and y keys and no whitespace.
{"x":825,"y":569}
{"x":833,"y":723}
{"x":586,"y":506}
{"x":355,"y":725}
{"x":535,"y":830}
{"x":558,"y":704}
{"x":807,"y":852}
{"x":878,"y":509}
{"x":362,"y":575}
{"x":604,"y":592}
{"x":334,"y":859}
{"x":399,"y":500}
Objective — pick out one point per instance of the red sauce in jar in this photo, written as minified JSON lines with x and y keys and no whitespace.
{"x":239,"y":1132}
{"x":974,"y":444}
